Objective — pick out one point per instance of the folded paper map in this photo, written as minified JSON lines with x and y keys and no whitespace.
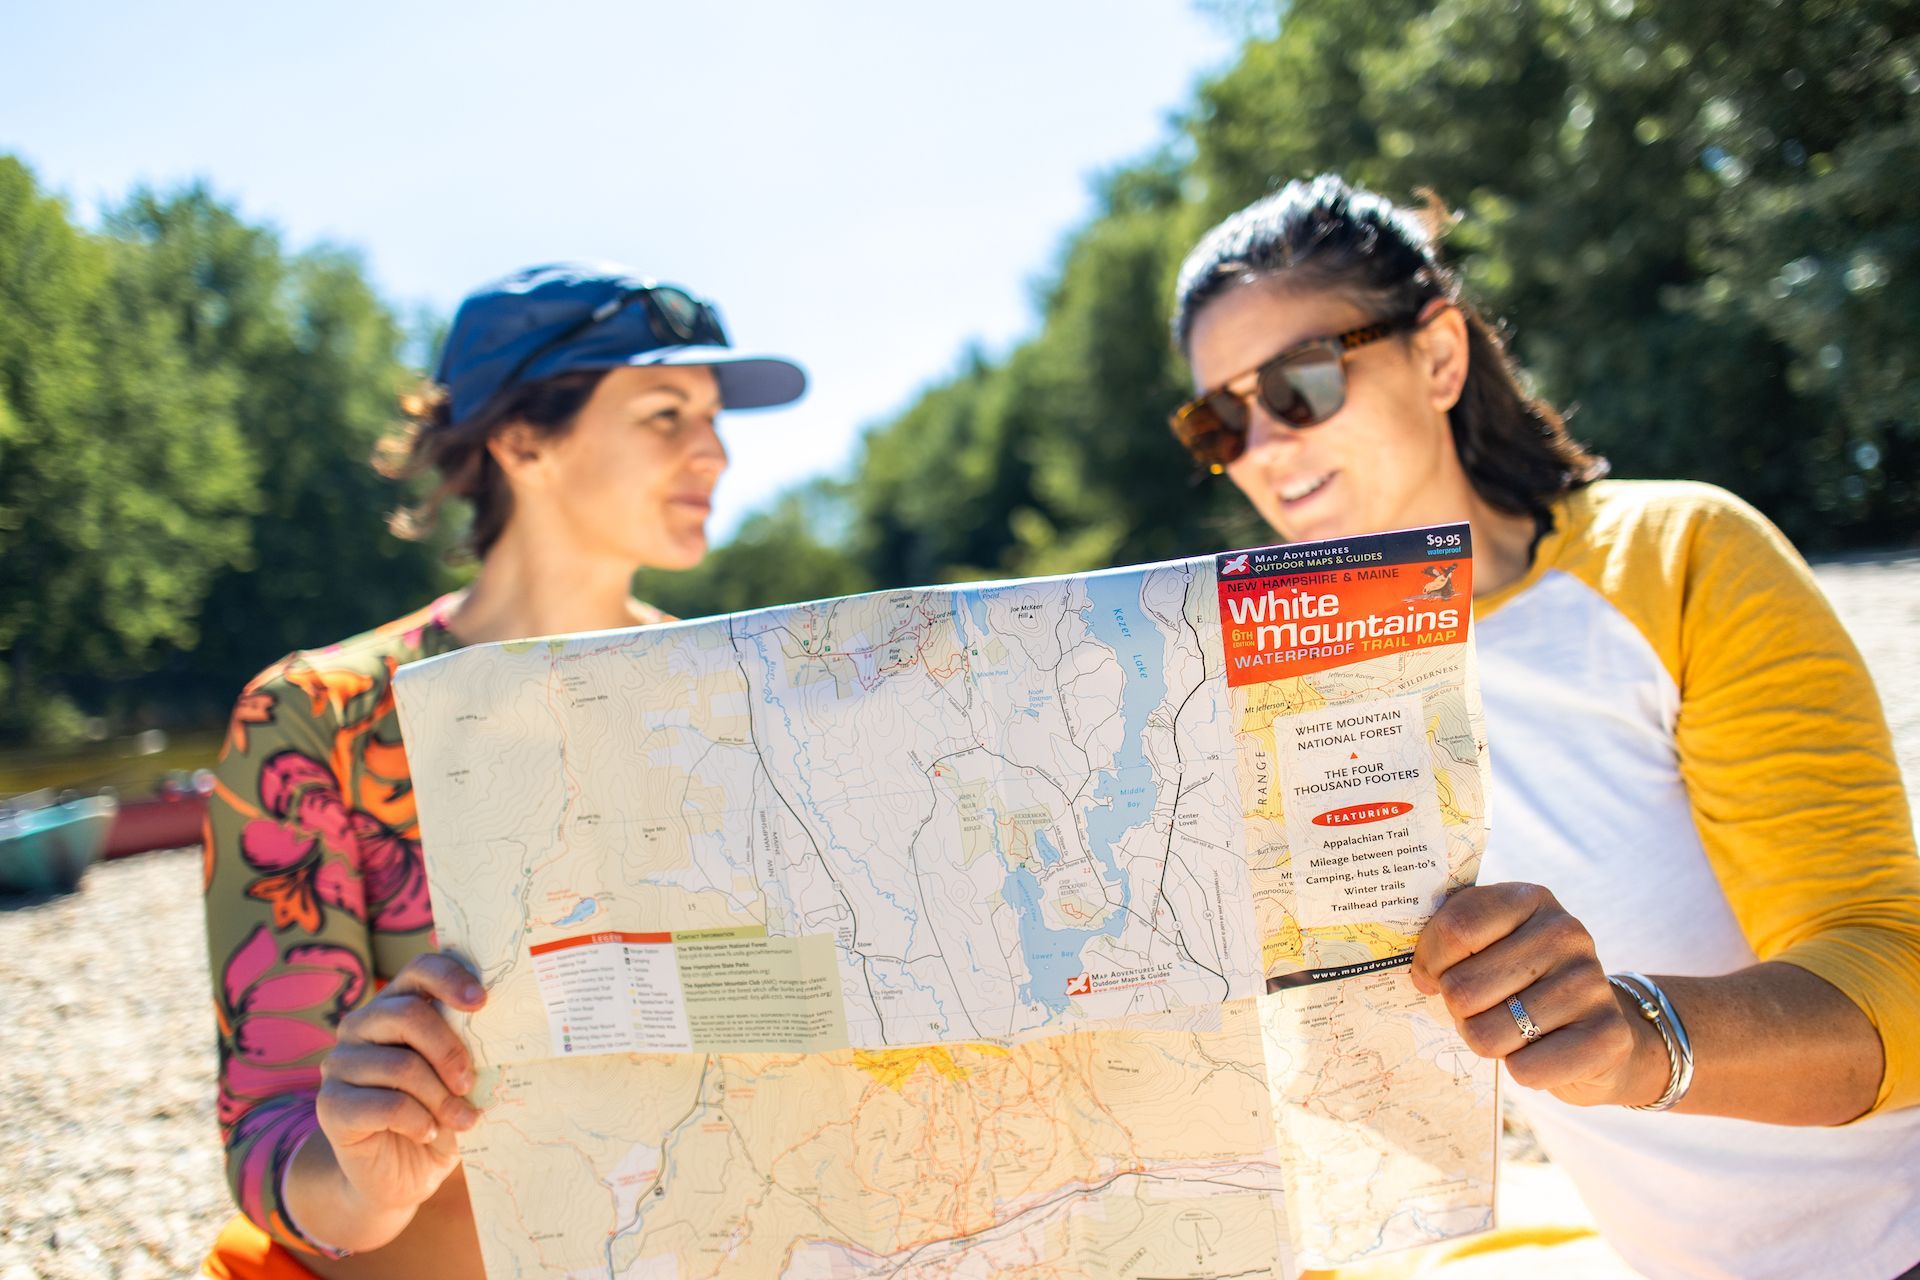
{"x":1044,"y":928}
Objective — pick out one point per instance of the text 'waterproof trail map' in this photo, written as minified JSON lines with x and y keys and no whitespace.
{"x":1041,"y":928}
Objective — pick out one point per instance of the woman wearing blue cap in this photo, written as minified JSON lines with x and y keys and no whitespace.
{"x":573,"y":410}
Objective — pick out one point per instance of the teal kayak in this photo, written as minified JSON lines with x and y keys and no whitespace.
{"x":47,"y":849}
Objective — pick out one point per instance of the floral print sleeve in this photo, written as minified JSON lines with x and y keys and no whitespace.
{"x":315,"y":890}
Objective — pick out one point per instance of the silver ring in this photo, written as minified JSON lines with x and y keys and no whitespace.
{"x":1528,"y":1031}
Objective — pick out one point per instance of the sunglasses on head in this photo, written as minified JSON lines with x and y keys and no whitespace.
{"x":676,"y":317}
{"x":1303,"y":386}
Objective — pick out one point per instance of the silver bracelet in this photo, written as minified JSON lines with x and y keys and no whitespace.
{"x":1657,"y":1009}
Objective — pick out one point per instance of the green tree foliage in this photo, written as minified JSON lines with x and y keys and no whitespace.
{"x":124,"y":481}
{"x":930,"y":502}
{"x":1695,"y":220}
{"x":1058,"y":457}
{"x":1817,"y":141}
{"x":1093,"y":392}
{"x":186,"y":414}
{"x":1693,"y":217}
{"x":315,"y":357}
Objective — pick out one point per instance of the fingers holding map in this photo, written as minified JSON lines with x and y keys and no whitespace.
{"x":1058,"y":919}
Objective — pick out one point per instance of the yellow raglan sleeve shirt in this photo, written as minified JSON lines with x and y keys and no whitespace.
{"x":1782,"y":743}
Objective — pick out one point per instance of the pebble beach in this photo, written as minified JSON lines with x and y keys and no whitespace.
{"x":109,"y":1159}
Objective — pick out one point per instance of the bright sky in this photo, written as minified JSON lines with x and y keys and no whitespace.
{"x":868,"y":187}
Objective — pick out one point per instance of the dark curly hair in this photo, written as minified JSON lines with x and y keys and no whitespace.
{"x":1327,"y":235}
{"x":432,"y":441}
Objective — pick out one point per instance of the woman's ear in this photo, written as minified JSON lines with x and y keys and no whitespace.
{"x":516,"y":450}
{"x":1443,"y":348}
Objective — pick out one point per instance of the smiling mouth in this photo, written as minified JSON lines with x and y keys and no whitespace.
{"x":1305,"y":488}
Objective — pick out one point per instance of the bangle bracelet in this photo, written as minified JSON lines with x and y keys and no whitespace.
{"x":1657,"y":1009}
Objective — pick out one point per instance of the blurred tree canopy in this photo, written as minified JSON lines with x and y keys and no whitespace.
{"x":1698,"y":222}
{"x":185,"y":418}
{"x":314,"y":357}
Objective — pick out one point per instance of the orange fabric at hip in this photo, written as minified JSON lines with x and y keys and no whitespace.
{"x":245,"y":1252}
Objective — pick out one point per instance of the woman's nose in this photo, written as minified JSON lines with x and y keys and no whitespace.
{"x":706,"y":449}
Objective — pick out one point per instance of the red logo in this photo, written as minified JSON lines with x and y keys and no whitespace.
{"x":1236,"y":565}
{"x":1080,"y":986}
{"x":1354,"y":814}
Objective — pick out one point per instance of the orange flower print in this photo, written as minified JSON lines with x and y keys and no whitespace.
{"x":325,"y":688}
{"x":321,"y":851}
{"x":255,"y":707}
{"x":300,"y":846}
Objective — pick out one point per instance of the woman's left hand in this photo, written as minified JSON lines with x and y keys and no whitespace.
{"x":1490,"y":942}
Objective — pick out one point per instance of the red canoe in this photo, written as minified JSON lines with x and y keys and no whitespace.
{"x":167,"y":821}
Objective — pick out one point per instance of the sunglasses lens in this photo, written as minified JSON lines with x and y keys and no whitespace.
{"x":677,"y":312}
{"x":710,"y":330}
{"x":1229,"y":411}
{"x":1301,"y":388}
{"x":1305,"y":389}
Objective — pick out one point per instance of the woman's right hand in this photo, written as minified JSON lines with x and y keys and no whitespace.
{"x":390,"y":1094}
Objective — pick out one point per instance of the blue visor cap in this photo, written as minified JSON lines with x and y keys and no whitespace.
{"x":571,"y":317}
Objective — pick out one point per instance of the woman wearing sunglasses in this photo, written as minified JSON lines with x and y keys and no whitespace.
{"x":1701,"y":898}
{"x":574,"y":411}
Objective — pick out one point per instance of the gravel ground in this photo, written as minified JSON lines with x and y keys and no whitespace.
{"x":1879,"y":599}
{"x":107,"y":1135}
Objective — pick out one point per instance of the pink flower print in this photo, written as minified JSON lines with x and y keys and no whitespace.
{"x":395,"y":876}
{"x":279,"y":1016}
{"x":309,"y":854}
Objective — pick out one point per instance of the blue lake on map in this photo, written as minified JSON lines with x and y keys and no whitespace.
{"x":581,"y":910}
{"x":1127,"y":792}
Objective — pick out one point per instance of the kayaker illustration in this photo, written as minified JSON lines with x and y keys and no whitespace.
{"x":1441,"y":586}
